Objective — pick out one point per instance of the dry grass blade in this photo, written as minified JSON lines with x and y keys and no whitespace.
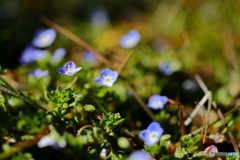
{"x":182,"y":126}
{"x":201,"y":83}
{"x":195,"y":111}
{"x":209,"y":110}
{"x":140,"y":102}
{"x":124,"y":62}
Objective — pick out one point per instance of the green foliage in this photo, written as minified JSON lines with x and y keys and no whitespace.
{"x":111,"y":122}
{"x":22,"y":156}
{"x":180,"y":153}
{"x":2,"y":71}
{"x":63,"y":101}
{"x":6,"y":121}
{"x":32,"y":124}
{"x":2,"y":102}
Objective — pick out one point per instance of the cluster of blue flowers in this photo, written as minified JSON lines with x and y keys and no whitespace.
{"x":107,"y":77}
{"x":34,"y":52}
{"x":45,"y":37}
{"x":153,"y":133}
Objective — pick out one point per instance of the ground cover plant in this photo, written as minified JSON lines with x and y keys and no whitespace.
{"x":163,"y":86}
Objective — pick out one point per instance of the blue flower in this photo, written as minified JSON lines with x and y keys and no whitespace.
{"x":58,"y":54}
{"x":44,"y":37}
{"x":107,"y":77}
{"x":50,"y":141}
{"x":130,"y":39}
{"x":139,"y":155}
{"x":152,"y":134}
{"x":157,"y":102}
{"x":216,"y":137}
{"x":31,"y":54}
{"x":190,"y":85}
{"x":166,"y":68}
{"x":99,"y":18}
{"x":38,"y":73}
{"x":69,"y":69}
{"x":88,"y":56}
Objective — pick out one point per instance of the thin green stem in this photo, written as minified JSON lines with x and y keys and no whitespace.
{"x":9,"y":85}
{"x":72,"y":82}
{"x":82,"y":128}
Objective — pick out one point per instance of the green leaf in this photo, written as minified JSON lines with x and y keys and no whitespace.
{"x":165,"y":137}
{"x":77,"y":117}
{"x":89,"y":108}
{"x":180,"y":152}
{"x":192,"y":149}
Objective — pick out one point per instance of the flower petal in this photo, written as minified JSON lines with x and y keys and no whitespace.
{"x":114,"y":75}
{"x":105,"y":72}
{"x":61,"y":71}
{"x":58,"y":54}
{"x":154,"y":126}
{"x":140,"y":155}
{"x":38,"y":73}
{"x":71,"y":65}
{"x":143,"y":134}
{"x":99,"y":80}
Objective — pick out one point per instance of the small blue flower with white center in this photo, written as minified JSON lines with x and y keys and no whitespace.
{"x":157,"y":102}
{"x":107,"y":77}
{"x":152,"y":134}
{"x":44,"y":38}
{"x":38,"y":73}
{"x":69,"y":69}
{"x":49,"y":140}
{"x":130,"y":39}
{"x":31,"y":54}
{"x":58,"y":54}
{"x":139,"y":155}
{"x":166,"y":68}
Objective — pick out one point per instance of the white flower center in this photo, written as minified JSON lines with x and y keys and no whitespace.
{"x":45,"y":39}
{"x":154,"y":136}
{"x":68,"y":70}
{"x":157,"y":104}
{"x":107,"y":79}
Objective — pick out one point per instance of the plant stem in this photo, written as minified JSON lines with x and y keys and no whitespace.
{"x":32,"y":103}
